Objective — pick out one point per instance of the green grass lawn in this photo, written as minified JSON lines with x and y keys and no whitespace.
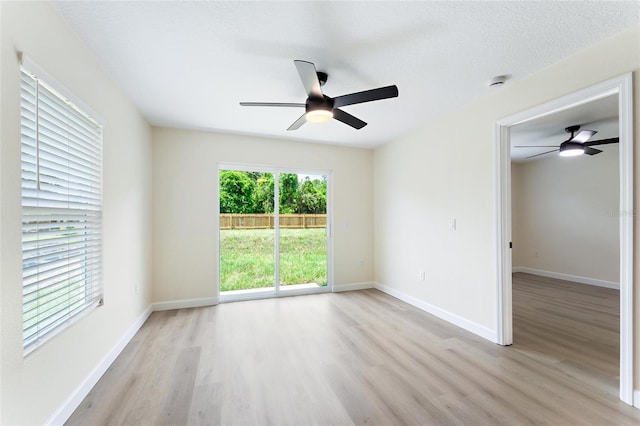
{"x":247,"y":258}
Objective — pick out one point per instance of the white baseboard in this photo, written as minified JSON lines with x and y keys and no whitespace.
{"x":567,"y":277}
{"x":454,"y":319}
{"x":73,"y":401}
{"x":185,"y":303}
{"x":353,"y":286}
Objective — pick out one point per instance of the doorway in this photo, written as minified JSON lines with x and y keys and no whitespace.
{"x":621,"y":86}
{"x":273,"y":232}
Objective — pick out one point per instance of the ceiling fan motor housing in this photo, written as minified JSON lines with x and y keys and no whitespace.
{"x":326,"y":103}
{"x":570,"y":148}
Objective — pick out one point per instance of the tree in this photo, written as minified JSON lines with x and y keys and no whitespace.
{"x":288,"y":193}
{"x":263,"y":195}
{"x":313,"y":196}
{"x":236,"y":192}
{"x":253,"y":192}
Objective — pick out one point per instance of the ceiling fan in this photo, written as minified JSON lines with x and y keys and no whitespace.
{"x":577,"y":144}
{"x":320,"y":108}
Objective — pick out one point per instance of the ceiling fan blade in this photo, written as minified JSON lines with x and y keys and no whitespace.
{"x":548,"y":152}
{"x":299,"y":122}
{"x":272,"y":104}
{"x":591,"y":151}
{"x":583,"y":136}
{"x":309,"y":77}
{"x":366,"y":96}
{"x":348,"y":119}
{"x":602,"y":142}
{"x":536,"y":146}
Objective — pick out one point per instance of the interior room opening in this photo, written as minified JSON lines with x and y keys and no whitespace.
{"x":566,"y":241}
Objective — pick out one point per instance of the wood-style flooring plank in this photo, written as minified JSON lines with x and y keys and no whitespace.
{"x":364,"y":357}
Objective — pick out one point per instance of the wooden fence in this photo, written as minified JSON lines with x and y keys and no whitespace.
{"x":265,"y":221}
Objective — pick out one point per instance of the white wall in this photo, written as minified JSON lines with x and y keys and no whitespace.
{"x":33,"y":388}
{"x":447,"y":170}
{"x":565,"y":210}
{"x":185,"y":190}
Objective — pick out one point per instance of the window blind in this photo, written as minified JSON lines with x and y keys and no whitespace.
{"x":61,"y":211}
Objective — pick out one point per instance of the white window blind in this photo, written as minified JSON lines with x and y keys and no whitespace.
{"x":61,"y":211}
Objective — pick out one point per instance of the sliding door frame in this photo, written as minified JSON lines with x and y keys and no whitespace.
{"x":276,"y":171}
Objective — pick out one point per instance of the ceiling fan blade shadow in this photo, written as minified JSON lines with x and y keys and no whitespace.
{"x":583,"y":136}
{"x":366,"y":96}
{"x":299,"y":122}
{"x":548,"y":152}
{"x":602,"y":142}
{"x":309,"y":77}
{"x":348,"y":119}
{"x":591,"y":151}
{"x":272,"y":104}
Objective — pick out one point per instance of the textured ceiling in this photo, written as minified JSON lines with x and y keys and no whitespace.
{"x":188,"y":64}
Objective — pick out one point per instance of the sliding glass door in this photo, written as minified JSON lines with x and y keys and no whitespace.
{"x":273,"y":227}
{"x":247,"y":238}
{"x":303,"y":232}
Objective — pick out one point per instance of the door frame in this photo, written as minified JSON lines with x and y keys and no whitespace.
{"x":623,"y":87}
{"x":276,"y":291}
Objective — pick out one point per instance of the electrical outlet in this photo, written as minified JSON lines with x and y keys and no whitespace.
{"x":423,"y":275}
{"x":361,"y":263}
{"x":536,"y":253}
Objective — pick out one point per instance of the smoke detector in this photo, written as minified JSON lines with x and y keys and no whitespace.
{"x":498,"y":81}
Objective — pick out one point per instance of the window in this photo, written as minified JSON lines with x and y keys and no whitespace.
{"x":61,"y":211}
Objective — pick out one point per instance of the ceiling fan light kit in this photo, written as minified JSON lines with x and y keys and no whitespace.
{"x":319,"y":115}
{"x":571,"y":149}
{"x":320,"y":108}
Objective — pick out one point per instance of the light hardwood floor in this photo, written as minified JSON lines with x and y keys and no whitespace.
{"x":575,"y":327}
{"x":363,"y":357}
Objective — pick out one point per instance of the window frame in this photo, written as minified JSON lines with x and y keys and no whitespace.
{"x":67,"y":252}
